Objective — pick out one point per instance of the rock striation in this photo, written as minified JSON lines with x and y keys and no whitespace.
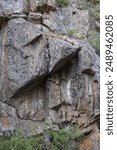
{"x":48,"y":72}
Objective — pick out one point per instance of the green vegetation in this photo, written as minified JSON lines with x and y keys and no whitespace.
{"x":63,"y":139}
{"x":62,"y":3}
{"x":18,"y":142}
{"x":93,"y":6}
{"x":94,"y":40}
{"x":70,"y":32}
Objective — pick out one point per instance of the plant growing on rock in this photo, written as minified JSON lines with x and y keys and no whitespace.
{"x":94,"y":40}
{"x":62,"y":3}
{"x":93,"y":6}
{"x":61,"y":139}
{"x":64,"y":139}
{"x":19,"y":142}
{"x":70,"y":32}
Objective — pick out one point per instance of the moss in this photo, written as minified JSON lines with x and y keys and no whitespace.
{"x":62,"y":3}
{"x":70,"y":32}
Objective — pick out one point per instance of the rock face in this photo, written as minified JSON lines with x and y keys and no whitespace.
{"x":48,"y":72}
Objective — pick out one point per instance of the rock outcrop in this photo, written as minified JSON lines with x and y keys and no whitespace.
{"x":48,"y":72}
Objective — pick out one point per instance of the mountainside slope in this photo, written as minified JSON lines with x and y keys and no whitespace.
{"x":48,"y":70}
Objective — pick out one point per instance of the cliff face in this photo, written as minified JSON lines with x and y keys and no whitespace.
{"x":48,"y":72}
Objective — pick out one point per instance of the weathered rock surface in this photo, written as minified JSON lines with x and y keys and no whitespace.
{"x":42,"y":5}
{"x":69,"y":19}
{"x":10,"y":7}
{"x":46,"y":73}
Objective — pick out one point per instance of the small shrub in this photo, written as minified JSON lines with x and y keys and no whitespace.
{"x":64,"y":139}
{"x":18,"y":142}
{"x":62,"y":3}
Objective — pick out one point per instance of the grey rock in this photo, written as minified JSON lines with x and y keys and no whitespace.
{"x":68,"y":98}
{"x":60,"y":52}
{"x":21,"y":33}
{"x":69,"y":21}
{"x":88,"y":60}
{"x":8,"y":119}
{"x":34,"y":106}
{"x":48,"y":72}
{"x":25,"y":60}
{"x":10,"y":7}
{"x":2,"y":17}
{"x":35,"y":17}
